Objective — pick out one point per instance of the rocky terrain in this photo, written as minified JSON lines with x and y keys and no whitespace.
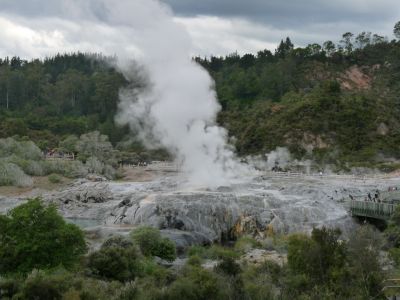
{"x":261,"y":206}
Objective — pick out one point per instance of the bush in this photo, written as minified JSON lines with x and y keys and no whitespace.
{"x":94,"y":165}
{"x":39,"y":285}
{"x":218,"y":252}
{"x":228,"y":266}
{"x":22,"y":149}
{"x":30,"y":167}
{"x":54,"y":178}
{"x":11,"y":174}
{"x":9,"y":287}
{"x":151,"y":243}
{"x":70,"y":169}
{"x":117,"y":241}
{"x":246,"y":243}
{"x":128,"y":292}
{"x":35,"y":236}
{"x":194,"y":260}
{"x":197,"y":283}
{"x":114,"y":263}
{"x":94,"y":144}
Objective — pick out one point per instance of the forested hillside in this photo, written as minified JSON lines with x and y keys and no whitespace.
{"x":337,"y":103}
{"x":61,"y":95}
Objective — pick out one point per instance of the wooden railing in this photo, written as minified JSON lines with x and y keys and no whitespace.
{"x":371,"y":209}
{"x":289,"y":174}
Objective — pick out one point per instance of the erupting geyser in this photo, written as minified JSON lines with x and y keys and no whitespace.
{"x":176,"y":105}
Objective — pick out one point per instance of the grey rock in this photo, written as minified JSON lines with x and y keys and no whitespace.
{"x":259,"y":207}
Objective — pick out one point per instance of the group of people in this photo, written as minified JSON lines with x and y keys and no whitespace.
{"x":376,"y":197}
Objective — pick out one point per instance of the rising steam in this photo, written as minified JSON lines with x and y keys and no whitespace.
{"x":177,"y":109}
{"x":176,"y":105}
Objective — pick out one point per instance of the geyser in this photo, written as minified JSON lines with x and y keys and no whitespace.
{"x":177,"y":106}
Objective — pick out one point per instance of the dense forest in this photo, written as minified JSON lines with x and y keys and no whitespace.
{"x":337,"y":103}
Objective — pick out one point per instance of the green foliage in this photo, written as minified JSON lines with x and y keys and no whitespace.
{"x":94,"y":144}
{"x":392,"y":231}
{"x":11,"y":174}
{"x":246,"y":243}
{"x":54,"y":178}
{"x":368,"y":275}
{"x":317,"y":260}
{"x":151,"y":243}
{"x":113,"y":262}
{"x":35,"y":236}
{"x":228,"y":266}
{"x":396,"y":30}
{"x":39,"y":285}
{"x":323,"y":267}
{"x":197,"y":283}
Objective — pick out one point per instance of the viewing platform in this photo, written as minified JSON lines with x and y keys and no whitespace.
{"x":381,"y":210}
{"x":369,"y":209}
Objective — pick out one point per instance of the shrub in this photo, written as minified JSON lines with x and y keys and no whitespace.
{"x":9,"y":287}
{"x":166,"y":249}
{"x":128,"y":292}
{"x":117,"y":241}
{"x":39,"y":285}
{"x":35,"y":236}
{"x":70,"y":169}
{"x":246,"y":243}
{"x":69,"y":143}
{"x":219,"y":252}
{"x":54,"y":178}
{"x":30,"y":167}
{"x":23,"y":149}
{"x":196,"y":250}
{"x":194,"y":260}
{"x":94,"y":165}
{"x":114,"y":263}
{"x":197,"y":283}
{"x":228,"y":266}
{"x":151,"y":243}
{"x":11,"y":174}
{"x":94,"y":144}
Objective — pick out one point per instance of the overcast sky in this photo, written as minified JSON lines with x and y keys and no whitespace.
{"x":34,"y":27}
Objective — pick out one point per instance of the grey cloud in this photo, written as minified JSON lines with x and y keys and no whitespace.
{"x":284,"y":14}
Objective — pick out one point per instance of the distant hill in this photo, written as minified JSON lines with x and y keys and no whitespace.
{"x":334,"y":103}
{"x":337,"y":104}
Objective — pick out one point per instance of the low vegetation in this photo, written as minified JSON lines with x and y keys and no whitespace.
{"x":42,"y":257}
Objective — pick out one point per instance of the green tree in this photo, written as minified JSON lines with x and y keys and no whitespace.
{"x":284,"y":48}
{"x":94,"y":144}
{"x":35,"y":236}
{"x":347,"y":42}
{"x":151,"y":243}
{"x":396,"y":30}
{"x":363,"y":251}
{"x":114,"y":261}
{"x":329,"y":47}
{"x":320,"y":259}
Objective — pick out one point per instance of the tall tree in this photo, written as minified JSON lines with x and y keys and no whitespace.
{"x":396,"y":30}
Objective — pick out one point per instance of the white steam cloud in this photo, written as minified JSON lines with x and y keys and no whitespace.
{"x":176,"y":108}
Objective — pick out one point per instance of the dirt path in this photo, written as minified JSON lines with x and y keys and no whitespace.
{"x":40,"y":184}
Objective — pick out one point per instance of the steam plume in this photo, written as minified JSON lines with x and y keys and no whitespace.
{"x":177,"y":106}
